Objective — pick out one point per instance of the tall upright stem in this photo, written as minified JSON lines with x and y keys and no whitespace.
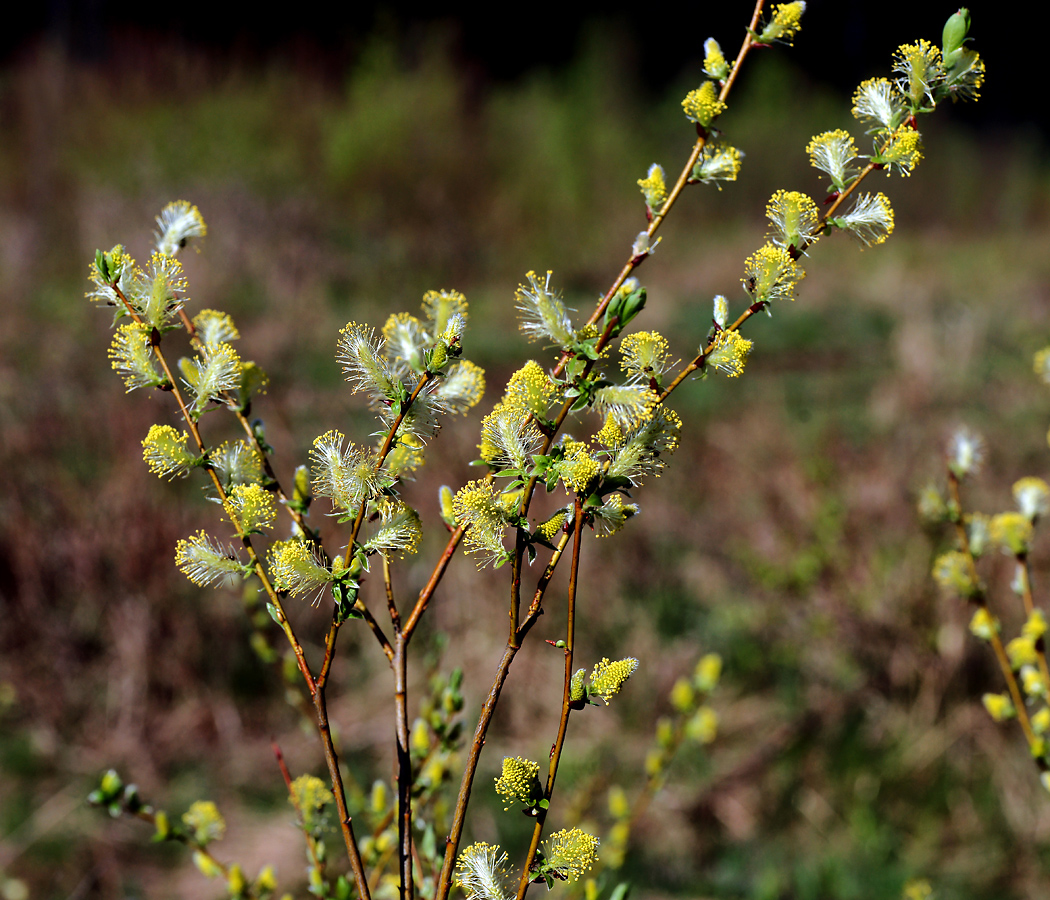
{"x":563,"y":722}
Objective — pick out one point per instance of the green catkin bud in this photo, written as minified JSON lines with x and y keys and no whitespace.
{"x":954,"y":34}
{"x":379,"y":797}
{"x":576,"y":689}
{"x":445,"y":501}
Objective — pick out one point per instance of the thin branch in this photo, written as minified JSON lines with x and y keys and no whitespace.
{"x":563,"y":723}
{"x":463,"y":798}
{"x":435,"y":578}
{"x":981,"y":600}
{"x":404,"y":767}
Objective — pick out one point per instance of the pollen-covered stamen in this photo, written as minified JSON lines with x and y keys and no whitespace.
{"x":365,"y":366}
{"x":542,"y":312}
{"x":702,"y":104}
{"x":177,"y":223}
{"x":879,"y":104}
{"x":203,"y":560}
{"x":344,"y":473}
{"x":833,"y":152}
{"x":299,"y":568}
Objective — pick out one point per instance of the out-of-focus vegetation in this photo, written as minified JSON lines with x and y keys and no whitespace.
{"x":854,"y":752}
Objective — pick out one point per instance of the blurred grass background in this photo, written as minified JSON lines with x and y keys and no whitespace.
{"x":854,"y":753}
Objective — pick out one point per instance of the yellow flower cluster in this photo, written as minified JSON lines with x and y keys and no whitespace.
{"x":310,"y":796}
{"x":608,"y":677}
{"x":480,"y":873}
{"x":519,"y":781}
{"x":542,"y":312}
{"x":921,"y":69}
{"x":771,"y":274}
{"x":131,"y":355}
{"x":570,"y":853}
{"x":204,"y":822}
{"x":903,"y":152}
{"x":1032,"y":496}
{"x":461,"y":387}
{"x":164,"y":450}
{"x":644,"y":354}
{"x":999,"y":706}
{"x":718,"y":162}
{"x":177,"y":223}
{"x":578,"y":468}
{"x":654,"y":189}
{"x":553,"y":525}
{"x":715,"y":64}
{"x":204,"y":561}
{"x":440,"y":306}
{"x":250,"y":508}
{"x":795,"y":217}
{"x":832,"y":152}
{"x":702,"y":104}
{"x":476,"y":506}
{"x":214,"y":327}
{"x":728,"y":353}
{"x":297,"y":567}
{"x":1012,"y":531}
{"x":984,"y":625}
{"x":951,"y":571}
{"x":877,"y":102}
{"x":785,"y":23}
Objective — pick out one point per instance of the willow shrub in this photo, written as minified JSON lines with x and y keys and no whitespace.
{"x":601,"y":379}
